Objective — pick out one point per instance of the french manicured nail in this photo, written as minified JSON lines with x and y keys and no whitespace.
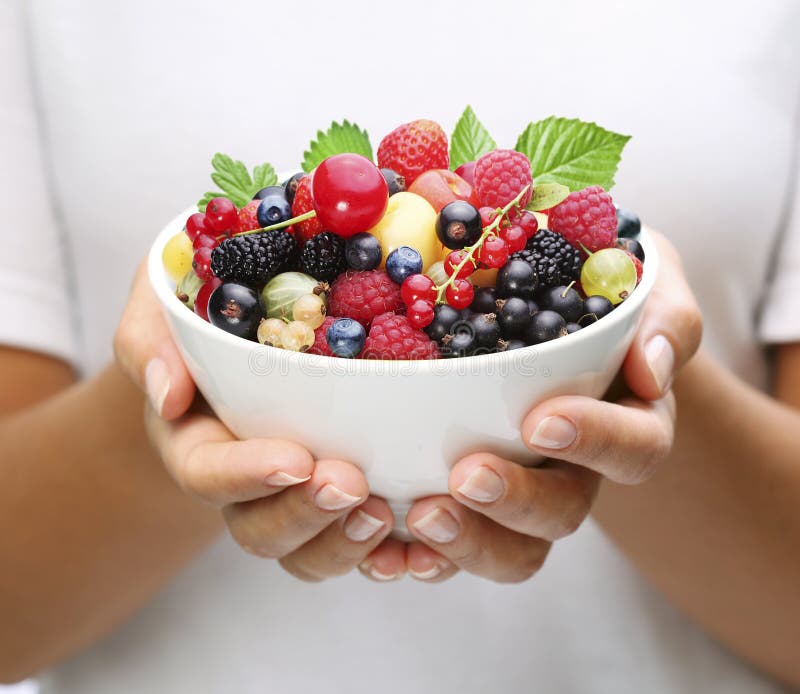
{"x":368,"y":568}
{"x":483,"y":485}
{"x":329,"y":498}
{"x":156,"y":382}
{"x":360,"y":526}
{"x":283,"y":479}
{"x":554,"y":432}
{"x":431,"y":573}
{"x":660,"y":360}
{"x":438,"y":526}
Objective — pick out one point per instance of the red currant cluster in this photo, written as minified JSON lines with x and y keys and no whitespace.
{"x":221,"y":219}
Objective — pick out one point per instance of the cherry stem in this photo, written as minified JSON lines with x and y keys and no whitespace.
{"x":280,"y":225}
{"x":470,"y":250}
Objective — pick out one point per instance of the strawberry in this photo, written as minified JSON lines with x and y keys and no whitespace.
{"x":414,"y":148}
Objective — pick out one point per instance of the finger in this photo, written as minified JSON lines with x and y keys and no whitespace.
{"x":475,"y":543}
{"x":549,"y":502}
{"x":207,"y":462}
{"x":147,"y":353}
{"x":670,"y":331}
{"x":426,"y":564}
{"x":387,"y":562}
{"x":623,"y":441}
{"x":276,"y":526}
{"x":344,"y":544}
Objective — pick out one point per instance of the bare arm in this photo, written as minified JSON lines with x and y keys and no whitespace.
{"x":717,"y":529}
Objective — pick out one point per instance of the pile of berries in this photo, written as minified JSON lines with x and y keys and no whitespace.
{"x":406,"y":259}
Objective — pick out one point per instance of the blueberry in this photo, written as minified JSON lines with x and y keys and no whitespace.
{"x":545,"y":325}
{"x":485,"y":300}
{"x":514,"y":317}
{"x":444,"y":317}
{"x":459,"y":224}
{"x":235,"y":308}
{"x":274,"y":207}
{"x":363,"y":251}
{"x":403,"y":262}
{"x":517,"y":278}
{"x":632,"y":246}
{"x":564,"y":301}
{"x":572,"y":328}
{"x":487,"y":332}
{"x":594,"y":308}
{"x":346,"y":337}
{"x":628,"y":223}
{"x":290,"y":186}
{"x":396,"y":182}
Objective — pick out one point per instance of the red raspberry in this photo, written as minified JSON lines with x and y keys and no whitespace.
{"x":393,"y":337}
{"x":500,"y":175}
{"x":414,"y":148}
{"x":364,"y":295}
{"x":320,"y":345}
{"x":303,"y":203}
{"x":639,"y":267}
{"x":586,"y":217}
{"x":248,"y":218}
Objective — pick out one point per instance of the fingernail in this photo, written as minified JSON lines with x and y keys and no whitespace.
{"x":660,"y":360}
{"x":367,"y":567}
{"x":426,"y":575}
{"x":360,"y":526}
{"x":282,"y":479}
{"x":438,"y":526}
{"x":554,"y":432}
{"x":483,"y":485}
{"x":329,"y":498}
{"x":156,"y":382}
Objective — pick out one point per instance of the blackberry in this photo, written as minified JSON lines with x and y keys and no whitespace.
{"x":322,"y":256}
{"x":254,"y":258}
{"x":555,"y":260}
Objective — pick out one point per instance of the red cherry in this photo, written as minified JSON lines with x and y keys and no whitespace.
{"x":202,"y":264}
{"x":195,"y":225}
{"x":515,"y":237}
{"x":221,"y":215}
{"x":203,"y":295}
{"x":453,"y":260}
{"x":494,"y":252}
{"x":205,"y":241}
{"x":467,"y":172}
{"x":417,"y":287}
{"x":460,"y":294}
{"x":420,"y":313}
{"x":349,"y":193}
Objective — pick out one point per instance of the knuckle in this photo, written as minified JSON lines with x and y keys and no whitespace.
{"x":526,"y":567}
{"x":690,"y":319}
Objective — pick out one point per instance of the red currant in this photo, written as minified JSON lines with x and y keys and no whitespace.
{"x":460,"y":294}
{"x":202,"y":264}
{"x":203,"y":295}
{"x":204,"y":241}
{"x":221,"y":215}
{"x":195,"y":225}
{"x":528,"y":222}
{"x":515,"y":238}
{"x":467,"y":172}
{"x":350,"y":194}
{"x":420,"y":313}
{"x":453,"y":260}
{"x":488,"y":215}
{"x":417,"y":287}
{"x":494,"y":252}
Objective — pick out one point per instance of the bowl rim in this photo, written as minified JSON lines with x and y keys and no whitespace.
{"x":165,"y":292}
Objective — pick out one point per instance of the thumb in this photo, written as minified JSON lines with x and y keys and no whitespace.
{"x":147,"y":353}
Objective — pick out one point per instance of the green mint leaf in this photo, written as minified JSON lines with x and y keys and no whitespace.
{"x":547,"y":195}
{"x":572,"y":152}
{"x":470,"y":139}
{"x":235,"y":181}
{"x":337,"y":139}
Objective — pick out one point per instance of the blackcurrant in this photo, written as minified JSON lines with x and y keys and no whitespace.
{"x":460,"y":341}
{"x":290,"y":186}
{"x":487,"y":332}
{"x":572,"y":328}
{"x":363,"y":251}
{"x":514,"y":344}
{"x":444,"y":317}
{"x":274,"y":207}
{"x":236,"y":309}
{"x":484,"y":301}
{"x":628,"y":223}
{"x":396,"y":182}
{"x":632,"y":246}
{"x":564,"y":301}
{"x":514,"y":317}
{"x":545,"y":325}
{"x":594,"y":308}
{"x":516,"y":278}
{"x":458,"y":225}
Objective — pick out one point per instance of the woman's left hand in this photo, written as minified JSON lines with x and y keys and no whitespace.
{"x":501,"y":517}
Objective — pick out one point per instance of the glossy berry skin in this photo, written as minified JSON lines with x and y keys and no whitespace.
{"x":363,"y":251}
{"x":572,"y":328}
{"x":516,"y":278}
{"x":403,"y":262}
{"x":526,"y":220}
{"x":563,"y":300}
{"x":487,"y":331}
{"x":545,"y":326}
{"x":453,"y":260}
{"x":203,"y":295}
{"x":628,"y":223}
{"x":632,"y":246}
{"x":346,"y":337}
{"x":444,"y":317}
{"x":494,"y":252}
{"x":514,"y":344}
{"x":395,"y":182}
{"x":458,"y":225}
{"x":290,"y":186}
{"x":274,"y":207}
{"x":460,"y":294}
{"x":350,"y":194}
{"x":418,"y":287}
{"x":467,"y":172}
{"x":514,"y":236}
{"x":460,"y":342}
{"x":236,"y":309}
{"x":514,"y":316}
{"x":485,"y":300}
{"x":594,"y":308}
{"x":201,"y":263}
{"x":420,"y":313}
{"x":204,"y":241}
{"x":221,"y":215}
{"x":196,"y":225}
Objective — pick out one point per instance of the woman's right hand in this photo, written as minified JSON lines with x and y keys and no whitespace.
{"x":317,"y":518}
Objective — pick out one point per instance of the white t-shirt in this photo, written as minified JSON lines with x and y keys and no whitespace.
{"x":109,"y":114}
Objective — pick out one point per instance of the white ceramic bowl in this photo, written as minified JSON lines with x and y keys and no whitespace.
{"x":403,"y":423}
